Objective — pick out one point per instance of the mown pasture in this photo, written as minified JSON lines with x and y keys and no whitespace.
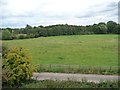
{"x":87,"y":50}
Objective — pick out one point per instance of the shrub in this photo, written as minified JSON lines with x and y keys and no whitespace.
{"x":31,"y":35}
{"x":4,"y":49}
{"x":16,"y":67}
{"x":6,"y":35}
{"x":22,"y":36}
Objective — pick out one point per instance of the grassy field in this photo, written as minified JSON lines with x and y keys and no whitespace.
{"x":92,"y":50}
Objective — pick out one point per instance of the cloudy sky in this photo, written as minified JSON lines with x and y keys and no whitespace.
{"x":18,"y":13}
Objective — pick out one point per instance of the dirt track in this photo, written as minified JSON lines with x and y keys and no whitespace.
{"x":77,"y":77}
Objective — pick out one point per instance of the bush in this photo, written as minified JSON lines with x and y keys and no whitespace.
{"x":23,"y":36}
{"x":16,"y":67}
{"x":6,"y":35}
{"x":31,"y":35}
{"x":4,"y":49}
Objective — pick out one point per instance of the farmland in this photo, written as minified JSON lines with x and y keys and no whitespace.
{"x":87,"y":50}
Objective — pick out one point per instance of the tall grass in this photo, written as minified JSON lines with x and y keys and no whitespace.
{"x":105,"y":70}
{"x":69,"y":84}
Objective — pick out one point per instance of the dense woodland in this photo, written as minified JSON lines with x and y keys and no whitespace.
{"x":110,"y":27}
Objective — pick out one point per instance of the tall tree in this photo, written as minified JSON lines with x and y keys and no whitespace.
{"x":111,"y":26}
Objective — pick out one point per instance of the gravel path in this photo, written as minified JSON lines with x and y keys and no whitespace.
{"x":77,"y":77}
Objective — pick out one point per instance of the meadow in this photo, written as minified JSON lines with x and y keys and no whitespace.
{"x":85,"y":50}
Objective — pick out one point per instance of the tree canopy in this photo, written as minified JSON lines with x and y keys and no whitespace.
{"x":110,"y":27}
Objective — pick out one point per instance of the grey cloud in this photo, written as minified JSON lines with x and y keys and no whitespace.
{"x":41,"y":16}
{"x":13,"y":24}
{"x":84,"y":16}
{"x":3,"y":2}
{"x":113,"y":4}
{"x":24,"y":15}
{"x":110,"y":9}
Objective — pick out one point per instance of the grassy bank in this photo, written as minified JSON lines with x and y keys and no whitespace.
{"x":110,"y":70}
{"x":69,"y":84}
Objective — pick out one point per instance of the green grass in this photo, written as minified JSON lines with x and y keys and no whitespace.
{"x":89,"y":50}
{"x":78,"y":69}
{"x":69,"y":84}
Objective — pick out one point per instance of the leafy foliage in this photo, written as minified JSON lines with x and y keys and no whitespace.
{"x":6,"y":35}
{"x":16,"y":67}
{"x":64,"y":29}
{"x":111,"y":26}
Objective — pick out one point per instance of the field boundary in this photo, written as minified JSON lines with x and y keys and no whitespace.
{"x":59,"y":68}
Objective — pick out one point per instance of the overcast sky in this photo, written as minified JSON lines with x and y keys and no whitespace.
{"x":18,"y":13}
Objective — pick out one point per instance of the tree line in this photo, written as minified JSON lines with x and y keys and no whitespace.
{"x":110,"y":27}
